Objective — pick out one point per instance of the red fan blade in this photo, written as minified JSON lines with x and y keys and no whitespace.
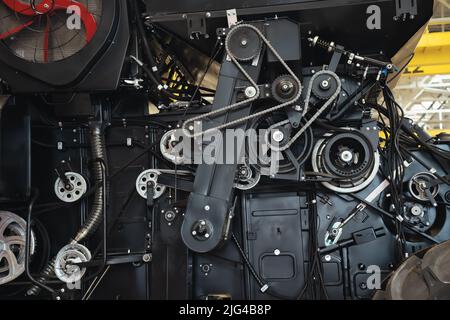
{"x":47,"y":39}
{"x":48,"y":5}
{"x":15,"y":30}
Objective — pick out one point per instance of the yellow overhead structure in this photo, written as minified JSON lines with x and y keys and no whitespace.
{"x":437,"y":131}
{"x":432,"y":55}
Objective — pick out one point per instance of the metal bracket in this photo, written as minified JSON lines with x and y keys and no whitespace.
{"x":232,"y":17}
{"x":336,"y":58}
{"x":196,"y":25}
{"x":118,"y":259}
{"x":61,"y":170}
{"x":176,"y":182}
{"x":298,"y":175}
{"x":405,"y":9}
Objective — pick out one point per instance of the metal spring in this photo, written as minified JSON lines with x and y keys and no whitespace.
{"x":95,"y":217}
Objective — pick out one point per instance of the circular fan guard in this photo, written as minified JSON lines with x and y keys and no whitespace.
{"x":46,"y":31}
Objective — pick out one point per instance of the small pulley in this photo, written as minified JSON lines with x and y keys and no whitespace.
{"x":70,"y":188}
{"x":66,"y":263}
{"x":147,"y":179}
{"x":285,"y":88}
{"x":247,"y":177}
{"x":244,"y":43}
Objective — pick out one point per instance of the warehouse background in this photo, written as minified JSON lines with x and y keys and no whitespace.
{"x":424,"y":87}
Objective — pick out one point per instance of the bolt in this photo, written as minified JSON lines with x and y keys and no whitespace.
{"x":361,"y":266}
{"x":146,"y":257}
{"x":278,"y":136}
{"x":346,"y":156}
{"x":207,"y":208}
{"x":194,"y":233}
{"x":250,"y":92}
{"x":244,"y":42}
{"x":416,"y":211}
{"x":58,"y":298}
{"x":206,"y":235}
{"x":205,"y":268}
{"x":328,"y":258}
{"x":208,"y":14}
{"x":277,"y":252}
{"x":363,"y":286}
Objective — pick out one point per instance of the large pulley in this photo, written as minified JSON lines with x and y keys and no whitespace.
{"x":349,"y":157}
{"x":12,"y":246}
{"x":300,"y":150}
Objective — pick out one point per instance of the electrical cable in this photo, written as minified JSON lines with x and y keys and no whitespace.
{"x":141,"y":31}
{"x":314,"y":284}
{"x":34,"y":197}
{"x":214,"y":54}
